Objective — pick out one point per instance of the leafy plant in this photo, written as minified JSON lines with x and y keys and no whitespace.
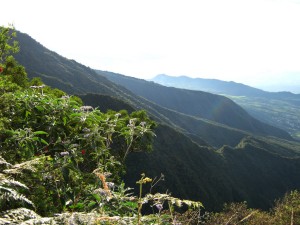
{"x":37,"y":121}
{"x":158,"y":201}
{"x":11,"y":197}
{"x":7,"y":44}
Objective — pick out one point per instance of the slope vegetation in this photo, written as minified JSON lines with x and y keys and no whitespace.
{"x":196,"y":103}
{"x":280,"y":109}
{"x":204,"y":157}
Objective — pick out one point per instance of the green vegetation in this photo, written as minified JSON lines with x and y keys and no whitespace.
{"x":59,"y":156}
{"x":283,"y":113}
{"x":187,"y":149}
{"x":64,"y":162}
{"x":199,"y":104}
{"x":280,"y":109}
{"x":285,"y":211}
{"x":78,"y":79}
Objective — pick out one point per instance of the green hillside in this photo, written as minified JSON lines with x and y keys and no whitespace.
{"x":247,"y":171}
{"x":199,"y":129}
{"x":208,"y":159}
{"x":283,"y":113}
{"x":196,"y":103}
{"x":75,"y":78}
{"x":280,"y":109}
{"x":198,"y":171}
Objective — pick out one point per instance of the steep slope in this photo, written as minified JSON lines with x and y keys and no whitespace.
{"x":254,"y":169}
{"x":248,"y":172}
{"x":75,"y":78}
{"x":280,"y":109}
{"x":257,"y":170}
{"x":58,"y":71}
{"x":196,"y":103}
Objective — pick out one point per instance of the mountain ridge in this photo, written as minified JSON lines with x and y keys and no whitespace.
{"x":211,"y":85}
{"x":280,"y":109}
{"x":194,"y":103}
{"x":201,"y":159}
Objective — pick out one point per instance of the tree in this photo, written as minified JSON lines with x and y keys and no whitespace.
{"x":8,"y":46}
{"x":8,"y":65}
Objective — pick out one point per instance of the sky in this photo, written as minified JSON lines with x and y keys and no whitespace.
{"x":256,"y":42}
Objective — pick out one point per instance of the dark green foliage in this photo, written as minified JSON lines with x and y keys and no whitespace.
{"x":72,"y":142}
{"x":7,"y":43}
{"x":8,"y":65}
{"x":59,"y":72}
{"x":196,"y":103}
{"x":182,"y":148}
{"x":76,"y":140}
{"x":15,"y":71}
{"x":280,"y":109}
{"x":251,"y":171}
{"x":107,"y":102}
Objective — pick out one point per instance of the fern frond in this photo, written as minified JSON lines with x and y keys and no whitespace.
{"x":12,"y":183}
{"x":19,"y":215}
{"x":9,"y":194}
{"x":2,"y":176}
{"x":4,"y":221}
{"x":4,"y":162}
{"x":6,"y":189}
{"x":28,"y":165}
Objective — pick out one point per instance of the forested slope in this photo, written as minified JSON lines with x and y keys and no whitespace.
{"x":188,"y":149}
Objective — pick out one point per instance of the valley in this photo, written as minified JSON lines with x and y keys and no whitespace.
{"x":280,"y":113}
{"x":280,"y":109}
{"x":208,"y":147}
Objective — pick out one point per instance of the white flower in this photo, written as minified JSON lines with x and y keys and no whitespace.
{"x":64,"y":153}
{"x":143,"y":124}
{"x":159,"y":206}
{"x":86,"y":108}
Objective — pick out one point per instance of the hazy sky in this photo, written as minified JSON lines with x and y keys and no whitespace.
{"x":248,"y":41}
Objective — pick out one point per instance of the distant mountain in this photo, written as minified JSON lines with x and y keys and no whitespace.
{"x":208,"y":159}
{"x":220,"y":87}
{"x":196,"y":103}
{"x":284,"y":81}
{"x":279,"y":109}
{"x":292,"y":87}
{"x":73,"y":77}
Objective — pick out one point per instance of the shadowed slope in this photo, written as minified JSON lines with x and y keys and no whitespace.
{"x":257,"y":170}
{"x":197,"y":103}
